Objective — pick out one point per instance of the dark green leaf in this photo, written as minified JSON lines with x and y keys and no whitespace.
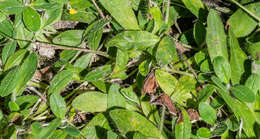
{"x":9,"y":82}
{"x":8,"y":50}
{"x":6,"y":28}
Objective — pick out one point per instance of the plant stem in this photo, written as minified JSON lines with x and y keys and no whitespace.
{"x":100,"y":12}
{"x":167,"y":11}
{"x":162,"y":119}
{"x":246,"y":10}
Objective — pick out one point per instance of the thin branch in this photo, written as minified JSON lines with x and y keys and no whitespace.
{"x":100,"y":12}
{"x":64,"y":47}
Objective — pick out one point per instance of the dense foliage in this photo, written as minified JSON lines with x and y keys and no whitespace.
{"x":130,"y":69}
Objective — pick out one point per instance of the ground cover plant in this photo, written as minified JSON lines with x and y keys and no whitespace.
{"x":130,"y":69}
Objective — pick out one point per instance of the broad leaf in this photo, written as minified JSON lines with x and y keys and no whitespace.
{"x":114,"y":98}
{"x":8,"y":50}
{"x":60,"y":81}
{"x":139,"y":40}
{"x":253,"y":82}
{"x":9,"y":82}
{"x":207,"y":113}
{"x":216,"y":37}
{"x":243,"y":93}
{"x":69,"y":38}
{"x":15,"y":59}
{"x":49,"y":130}
{"x":11,"y":6}
{"x":166,"y":81}
{"x":6,"y":28}
{"x":195,"y":6}
{"x":98,"y":73}
{"x":31,"y":19}
{"x":222,"y":68}
{"x":183,"y":129}
{"x":91,"y":101}
{"x":58,"y":105}
{"x":122,"y":11}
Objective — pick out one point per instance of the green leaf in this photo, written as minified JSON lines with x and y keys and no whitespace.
{"x":254,"y":50}
{"x":166,"y":51}
{"x":130,"y":94}
{"x":126,"y":121}
{"x":243,"y":93}
{"x":237,"y":58}
{"x":143,"y":68}
{"x":199,"y":33}
{"x":166,"y":81}
{"x":216,"y":37}
{"x":84,"y":61}
{"x":94,"y":33}
{"x":204,"y":132}
{"x":6,"y":28}
{"x":1,"y":114}
{"x":195,"y":6}
{"x":245,"y":26}
{"x":114,"y":98}
{"x":49,"y":130}
{"x":80,"y":16}
{"x":22,"y":33}
{"x":241,"y":111}
{"x":69,"y":38}
{"x":27,"y":70}
{"x":13,"y":106}
{"x":183,"y":129}
{"x":139,"y":40}
{"x":15,"y":59}
{"x":60,"y":81}
{"x":157,"y":16}
{"x":73,"y":131}
{"x":205,"y":93}
{"x":9,"y":82}
{"x":58,"y":105}
{"x":31,"y":19}
{"x":207,"y":113}
{"x":8,"y":50}
{"x":91,"y":101}
{"x":186,"y":85}
{"x":232,"y":123}
{"x":253,"y":82}
{"x":122,"y":12}
{"x":11,"y":6}
{"x":121,"y":62}
{"x":111,"y":135}
{"x":222,"y":68}
{"x":98,"y":73}
{"x":53,"y":14}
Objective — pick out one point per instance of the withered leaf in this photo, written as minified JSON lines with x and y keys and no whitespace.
{"x":150,"y":84}
{"x":166,"y":101}
{"x":193,"y":114}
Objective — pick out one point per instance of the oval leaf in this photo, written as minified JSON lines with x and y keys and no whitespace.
{"x":139,"y":40}
{"x":114,"y":98}
{"x":58,"y":105}
{"x":9,"y":82}
{"x":122,"y":11}
{"x":243,"y":93}
{"x":69,"y":38}
{"x":60,"y":81}
{"x":8,"y":50}
{"x":166,"y":81}
{"x":91,"y":102}
{"x":31,"y":19}
{"x":207,"y":113}
{"x":98,"y":73}
{"x":216,"y":37}
{"x":127,"y":121}
{"x":222,"y":68}
{"x":15,"y":59}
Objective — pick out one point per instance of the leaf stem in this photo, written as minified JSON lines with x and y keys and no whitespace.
{"x":246,"y":10}
{"x":162,"y":119}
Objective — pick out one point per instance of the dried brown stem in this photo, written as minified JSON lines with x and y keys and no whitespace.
{"x":100,"y":12}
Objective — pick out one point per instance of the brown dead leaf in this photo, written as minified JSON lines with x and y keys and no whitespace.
{"x":193,"y":114}
{"x":166,"y":101}
{"x":150,"y":84}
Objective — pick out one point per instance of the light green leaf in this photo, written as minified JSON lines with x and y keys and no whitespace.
{"x":207,"y":113}
{"x":24,"y":34}
{"x":244,"y":27}
{"x":195,"y":6}
{"x":91,"y":101}
{"x":53,"y":14}
{"x":237,"y":59}
{"x":126,"y":121}
{"x":254,"y":50}
{"x":216,"y":37}
{"x":183,"y":129}
{"x":122,"y":11}
{"x":205,"y":93}
{"x":69,"y":38}
{"x":157,"y":16}
{"x":84,"y":61}
{"x":130,"y":94}
{"x":121,"y":62}
{"x":243,"y":93}
{"x":31,"y":19}
{"x":139,"y":40}
{"x":60,"y":81}
{"x":80,"y":16}
{"x":58,"y":105}
{"x":166,"y":51}
{"x":253,"y":82}
{"x":8,"y":50}
{"x":98,"y":73}
{"x":73,"y":131}
{"x":114,"y":98}
{"x":11,"y":6}
{"x":222,"y":68}
{"x":166,"y":81}
{"x":15,"y":59}
{"x":204,"y":132}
